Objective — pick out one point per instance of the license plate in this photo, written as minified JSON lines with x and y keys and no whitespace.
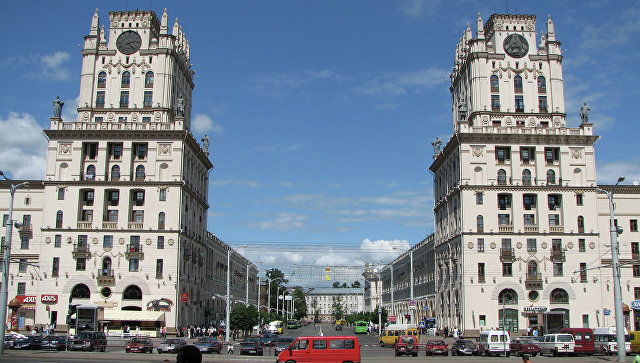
{"x":252,"y":351}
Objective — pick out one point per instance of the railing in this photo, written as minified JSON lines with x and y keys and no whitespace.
{"x":159,"y":275}
{"x":109,"y":225}
{"x":505,"y":228}
{"x":81,"y":251}
{"x":134,"y":251}
{"x":136,"y":225}
{"x":507,"y":254}
{"x":556,"y":228}
{"x":533,"y":282}
{"x":85,"y":224}
{"x":105,"y":277}
{"x":26,"y":229}
{"x":531,"y":228}
{"x":558,"y":255}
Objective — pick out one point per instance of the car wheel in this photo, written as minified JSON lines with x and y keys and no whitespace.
{"x":508,"y":354}
{"x":91,"y":348}
{"x":415,"y":354}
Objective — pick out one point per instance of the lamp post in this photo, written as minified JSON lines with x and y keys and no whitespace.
{"x":6,"y":250}
{"x":228,"y":327}
{"x":615,"y":264}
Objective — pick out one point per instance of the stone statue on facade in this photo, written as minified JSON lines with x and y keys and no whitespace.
{"x":205,"y":144}
{"x":180,"y":107}
{"x":584,"y":113}
{"x":436,"y":146}
{"x":462,"y":109}
{"x":57,"y":107}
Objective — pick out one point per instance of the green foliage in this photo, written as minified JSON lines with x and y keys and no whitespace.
{"x":355,"y":284}
{"x":337,"y":307}
{"x":277,"y":283}
{"x":368,"y":316}
{"x":300,"y":304}
{"x":336,"y":284}
{"x":244,"y":318}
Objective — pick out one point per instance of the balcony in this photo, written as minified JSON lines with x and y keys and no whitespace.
{"x":81,"y":251}
{"x":136,"y":225}
{"x":105,"y":277}
{"x":558,"y":255}
{"x":26,"y":230}
{"x":159,"y":275}
{"x":85,"y":224}
{"x":507,"y":254}
{"x":635,"y":255}
{"x":109,"y":225}
{"x":530,"y":228}
{"x":134,"y":251}
{"x":533,"y":282}
{"x":505,"y":228}
{"x":556,"y":229}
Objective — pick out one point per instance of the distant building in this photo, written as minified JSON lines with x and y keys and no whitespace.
{"x":321,"y":301}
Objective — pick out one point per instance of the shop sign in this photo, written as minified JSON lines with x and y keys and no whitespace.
{"x":49,"y":299}
{"x":184,"y":297}
{"x":635,"y":305}
{"x":534,"y":309}
{"x":391,"y":318}
{"x":163,"y":304}
{"x":26,"y":299}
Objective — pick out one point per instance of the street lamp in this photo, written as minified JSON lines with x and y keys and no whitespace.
{"x":6,"y":250}
{"x":227,"y":328}
{"x":615,"y":264}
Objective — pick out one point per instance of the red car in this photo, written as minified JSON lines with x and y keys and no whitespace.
{"x":519,"y":346}
{"x":437,"y":347}
{"x":407,"y":344}
{"x":140,"y":345}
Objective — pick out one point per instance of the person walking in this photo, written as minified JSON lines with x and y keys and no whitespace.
{"x":525,"y":358}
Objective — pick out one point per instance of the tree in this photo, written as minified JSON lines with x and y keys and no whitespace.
{"x":244,"y":318}
{"x":277,"y":282}
{"x":337,"y":307}
{"x":299,"y":302}
{"x":344,"y":284}
{"x":336,"y":284}
{"x":316,"y":313}
{"x":355,"y":284}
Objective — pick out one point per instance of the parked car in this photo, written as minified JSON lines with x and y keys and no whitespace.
{"x":89,"y":341}
{"x":437,"y":347}
{"x":337,"y":348}
{"x":250,"y":348}
{"x":54,"y":342}
{"x":338,"y":327}
{"x":282,"y":343}
{"x":494,"y":342}
{"x":208,"y":345}
{"x":407,"y":344}
{"x":268,"y":339}
{"x":555,"y":344}
{"x":139,"y":345}
{"x":524,"y":345}
{"x":171,"y":345}
{"x":464,"y":347}
{"x":30,"y":342}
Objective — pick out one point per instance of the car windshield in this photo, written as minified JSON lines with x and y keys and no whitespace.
{"x":524,"y":341}
{"x":83,"y":335}
{"x":248,"y":344}
{"x":407,"y":339}
{"x":285,"y":340}
{"x":565,"y":338}
{"x":436,"y":342}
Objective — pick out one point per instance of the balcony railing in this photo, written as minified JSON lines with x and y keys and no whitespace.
{"x":134,"y":251}
{"x":533,"y":282}
{"x":26,"y":229}
{"x":558,"y":255}
{"x":159,"y":275}
{"x":85,"y":224}
{"x":81,"y":251}
{"x":109,"y":225}
{"x":505,"y":228}
{"x":556,"y":228}
{"x":507,"y":254}
{"x":105,"y":277}
{"x":136,"y":225}
{"x":531,"y":228}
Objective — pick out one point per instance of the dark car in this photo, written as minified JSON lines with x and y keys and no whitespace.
{"x":250,"y":348}
{"x":171,"y":345}
{"x":208,"y":345}
{"x":30,"y":342}
{"x":139,"y":345}
{"x":407,"y":344}
{"x":521,"y":346}
{"x":282,"y":343}
{"x":89,"y":341}
{"x":54,"y":342}
{"x":8,"y":341}
{"x":437,"y":347}
{"x":464,"y":347}
{"x":267,"y":340}
{"x":338,"y":327}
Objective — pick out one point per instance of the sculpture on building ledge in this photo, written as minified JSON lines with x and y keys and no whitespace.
{"x":584,"y":113}
{"x":180,"y":107}
{"x":462,"y":109}
{"x":436,"y":147}
{"x":205,"y":144}
{"x":57,"y":107}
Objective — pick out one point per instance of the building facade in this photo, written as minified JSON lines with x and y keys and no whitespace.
{"x":323,"y":301}
{"x":120,"y":219}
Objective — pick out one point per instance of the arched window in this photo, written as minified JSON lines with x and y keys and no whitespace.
{"x":502,"y":177}
{"x":126,"y":79}
{"x":161,"y":217}
{"x":551,"y":177}
{"x":480,"y":223}
{"x":495,"y":84}
{"x":106,"y":267}
{"x":115,"y":172}
{"x":132,"y":292}
{"x":59,"y":219}
{"x":91,"y":172}
{"x":102,"y":79}
{"x":517,"y":84}
{"x":140,"y":172}
{"x":526,"y":177}
{"x":542,"y":84}
{"x":80,"y":291}
{"x":508,"y":297}
{"x":580,"y":224}
{"x":148,"y":79}
{"x":559,"y":296}
{"x":532,"y":269}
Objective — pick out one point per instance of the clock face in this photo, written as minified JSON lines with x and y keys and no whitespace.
{"x":516,"y":45}
{"x":129,"y":42}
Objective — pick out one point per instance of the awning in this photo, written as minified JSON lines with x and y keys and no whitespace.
{"x":131,"y":315}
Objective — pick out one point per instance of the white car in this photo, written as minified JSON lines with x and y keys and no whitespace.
{"x":556,"y":344}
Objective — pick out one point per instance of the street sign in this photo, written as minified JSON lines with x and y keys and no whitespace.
{"x":184,"y":297}
{"x":379,"y":310}
{"x":391,"y":318}
{"x":607,"y":312}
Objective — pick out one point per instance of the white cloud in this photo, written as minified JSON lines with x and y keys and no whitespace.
{"x":400,"y":83}
{"x":277,"y":86}
{"x":383,"y":250}
{"x":236,"y":182}
{"x":23,"y":152}
{"x":51,"y":67}
{"x":201,"y":124}
{"x":418,"y":8}
{"x":608,"y":173}
{"x":282,"y":222}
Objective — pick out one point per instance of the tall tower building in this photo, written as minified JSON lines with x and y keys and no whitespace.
{"x":515,"y":189}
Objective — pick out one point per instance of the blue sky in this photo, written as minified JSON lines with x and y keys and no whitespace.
{"x":321,"y":113}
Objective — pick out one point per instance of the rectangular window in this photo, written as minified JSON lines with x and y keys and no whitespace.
{"x":100,"y":99}
{"x":504,"y":201}
{"x":138,"y":216}
{"x":113,"y":196}
{"x":542,"y":104}
{"x":495,"y":103}
{"x":5,"y":219}
{"x":26,"y":220}
{"x":636,"y":293}
{"x":554,"y":219}
{"x":140,"y":151}
{"x":24,"y":243}
{"x":98,"y":119}
{"x":87,"y":215}
{"x":503,"y":153}
{"x":107,"y":242}
{"x":22,"y":288}
{"x":55,"y":267}
{"x":579,"y":199}
{"x":582,"y":245}
{"x":636,"y":270}
{"x":519,"y":103}
{"x":122,"y":119}
{"x":146,"y":119}
{"x":481,"y":272}
{"x":60,"y":193}
{"x":507,"y":269}
{"x":115,"y":151}
{"x":124,"y":98}
{"x":554,"y":201}
{"x":480,"y":244}
{"x":583,"y":272}
{"x":148,"y":99}
{"x":57,"y":241}
{"x":551,"y":155}
{"x":506,"y":243}
{"x":479,"y":198}
{"x":504,"y":219}
{"x":82,"y":240}
{"x":482,"y":320}
{"x":558,"y":269}
{"x":159,"y":268}
{"x":160,"y":242}
{"x":134,"y":264}
{"x":22,"y":265}
{"x":585,"y":320}
{"x":81,"y":264}
{"x":633,"y":225}
{"x":113,"y":215}
{"x":527,"y":154}
{"x":532,"y":245}
{"x":529,"y":219}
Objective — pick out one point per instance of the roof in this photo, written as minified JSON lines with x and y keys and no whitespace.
{"x":336,"y":291}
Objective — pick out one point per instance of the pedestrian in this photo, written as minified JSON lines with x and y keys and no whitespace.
{"x":636,"y":359}
{"x":230,"y":348}
{"x":525,"y":358}
{"x":535,"y":332}
{"x":189,"y":354}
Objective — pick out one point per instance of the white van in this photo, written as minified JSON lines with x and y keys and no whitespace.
{"x":555,"y":344}
{"x":605,"y":341}
{"x":494,"y":342}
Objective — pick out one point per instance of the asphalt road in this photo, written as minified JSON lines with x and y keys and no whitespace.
{"x":370,"y":352}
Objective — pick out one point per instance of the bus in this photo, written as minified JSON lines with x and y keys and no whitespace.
{"x":276,"y":327}
{"x":360,"y":327}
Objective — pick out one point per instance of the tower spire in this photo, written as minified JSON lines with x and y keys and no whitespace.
{"x":95,"y":23}
{"x":551,"y":34}
{"x":164,"y":22}
{"x":480,"y":25}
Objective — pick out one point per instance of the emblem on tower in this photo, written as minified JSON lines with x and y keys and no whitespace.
{"x":516,"y":45}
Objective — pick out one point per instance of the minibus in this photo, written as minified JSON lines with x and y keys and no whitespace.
{"x":583,"y":338}
{"x":494,"y":342}
{"x":605,"y":341}
{"x":391,"y":333}
{"x":327,"y":349}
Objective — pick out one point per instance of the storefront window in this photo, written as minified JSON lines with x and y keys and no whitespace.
{"x":508,"y":320}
